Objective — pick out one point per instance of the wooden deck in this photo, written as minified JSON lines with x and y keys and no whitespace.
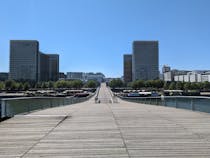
{"x":120,"y":130}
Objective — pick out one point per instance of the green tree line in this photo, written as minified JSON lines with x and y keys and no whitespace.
{"x":159,"y":84}
{"x":11,"y":85}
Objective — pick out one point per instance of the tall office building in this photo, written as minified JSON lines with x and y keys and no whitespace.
{"x":145,"y":62}
{"x":27,"y":63}
{"x":53,"y":67}
{"x":43,"y":67}
{"x":127,"y":67}
{"x":24,"y":56}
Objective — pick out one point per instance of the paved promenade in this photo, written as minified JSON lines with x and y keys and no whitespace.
{"x":107,"y":130}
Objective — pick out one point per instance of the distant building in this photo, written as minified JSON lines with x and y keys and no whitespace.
{"x":53,"y":67}
{"x":168,"y":76}
{"x":192,"y":76}
{"x":75,"y":76}
{"x":28,"y":63}
{"x":4,"y":76}
{"x":24,"y":57}
{"x":176,"y":78}
{"x":62,"y":76}
{"x":145,"y":60}
{"x":181,"y":78}
{"x":43,"y":67}
{"x":99,"y":77}
{"x":205,"y":78}
{"x":161,"y":76}
{"x":166,"y":68}
{"x":127,"y":70}
{"x":199,"y":78}
{"x":175,"y":75}
{"x":186,"y":78}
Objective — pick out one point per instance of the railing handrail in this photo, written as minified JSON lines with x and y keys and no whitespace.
{"x":6,"y":103}
{"x":190,"y":97}
{"x":194,"y":103}
{"x":26,"y":98}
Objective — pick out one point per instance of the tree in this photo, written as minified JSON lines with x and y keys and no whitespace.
{"x":77,"y":84}
{"x":19,"y":86}
{"x":157,"y":84}
{"x":166,"y":85}
{"x":172,"y":86}
{"x":194,"y":86}
{"x":199,"y":85}
{"x":206,"y":85}
{"x":187,"y":86}
{"x":138,"y":84}
{"x":51,"y":84}
{"x":91,"y":84}
{"x":179,"y":85}
{"x":116,"y":83}
{"x":149,"y":83}
{"x":61,"y":84}
{"x":129,"y":84}
{"x":10,"y":85}
{"x":44,"y":85}
{"x":38,"y":85}
{"x":26,"y":86}
{"x":2,"y":85}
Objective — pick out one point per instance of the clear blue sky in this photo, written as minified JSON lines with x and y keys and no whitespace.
{"x":93,"y":35}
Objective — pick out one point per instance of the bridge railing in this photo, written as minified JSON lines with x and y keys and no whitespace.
{"x":14,"y":106}
{"x":194,"y":103}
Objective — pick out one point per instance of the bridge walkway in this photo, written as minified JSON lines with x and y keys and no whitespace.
{"x":113,"y":130}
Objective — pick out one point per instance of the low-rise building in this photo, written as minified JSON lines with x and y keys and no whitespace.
{"x":166,"y":68}
{"x":181,"y":78}
{"x":75,"y":76}
{"x":168,"y":76}
{"x":62,"y":76}
{"x":192,"y":76}
{"x":4,"y":76}
{"x":205,"y":78}
{"x":176,"y":78}
{"x":99,"y":77}
{"x":186,"y":78}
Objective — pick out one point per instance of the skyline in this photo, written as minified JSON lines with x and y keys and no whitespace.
{"x":92,"y":36}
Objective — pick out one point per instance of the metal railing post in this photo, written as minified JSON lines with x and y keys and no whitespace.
{"x":192,"y":105}
{"x":176,"y":102}
{"x":5,"y":104}
{"x":28,"y":107}
{"x":3,"y":109}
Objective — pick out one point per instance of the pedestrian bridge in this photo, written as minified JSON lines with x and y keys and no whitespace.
{"x":116,"y":129}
